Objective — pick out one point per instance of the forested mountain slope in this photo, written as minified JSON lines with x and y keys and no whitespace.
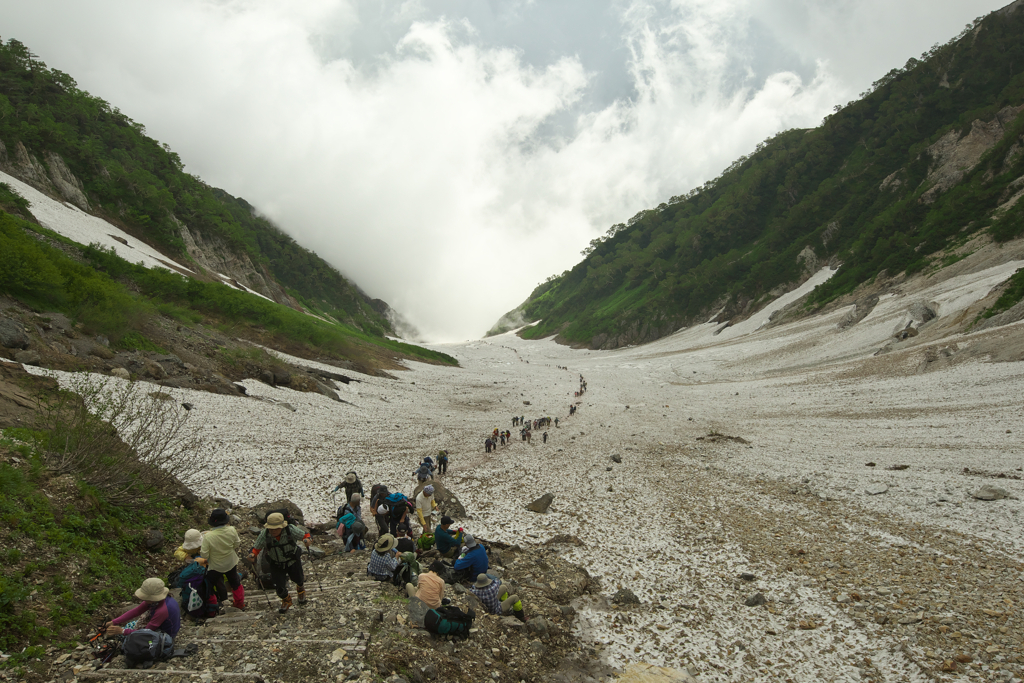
{"x":929,"y":157}
{"x":72,"y":145}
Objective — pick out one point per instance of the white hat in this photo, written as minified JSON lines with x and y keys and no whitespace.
{"x":153,"y":590}
{"x":381,"y":510}
{"x":193,"y":539}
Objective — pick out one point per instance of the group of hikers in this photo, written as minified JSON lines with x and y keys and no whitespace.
{"x":211,"y":564}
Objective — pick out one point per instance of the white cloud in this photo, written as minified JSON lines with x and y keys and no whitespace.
{"x":428,"y":171}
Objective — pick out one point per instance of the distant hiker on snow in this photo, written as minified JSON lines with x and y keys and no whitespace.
{"x":280,"y":540}
{"x":351,"y":484}
{"x":442,"y":462}
{"x":220,"y":559}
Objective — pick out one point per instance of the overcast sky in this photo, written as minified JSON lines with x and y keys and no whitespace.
{"x":449,"y":155}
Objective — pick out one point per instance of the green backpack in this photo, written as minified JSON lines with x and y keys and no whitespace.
{"x":425,"y":542}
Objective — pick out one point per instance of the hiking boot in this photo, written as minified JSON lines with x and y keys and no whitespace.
{"x":286,"y":602}
{"x":302,"y":596}
{"x":520,"y":615}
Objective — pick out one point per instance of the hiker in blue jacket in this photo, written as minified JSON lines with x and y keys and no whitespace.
{"x":472,"y":562}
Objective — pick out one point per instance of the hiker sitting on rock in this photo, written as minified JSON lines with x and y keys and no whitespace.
{"x":472,"y":562}
{"x":383,"y":560}
{"x":189,"y":549}
{"x":430,"y":587}
{"x":281,"y":540}
{"x":221,"y":561}
{"x":403,"y":542}
{"x":161,"y":610}
{"x":425,"y":506}
{"x":408,"y":569}
{"x":351,"y":484}
{"x":496,"y":599}
{"x":448,"y":544}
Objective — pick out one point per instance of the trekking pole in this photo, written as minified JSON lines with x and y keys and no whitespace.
{"x":316,"y":574}
{"x":257,"y":579}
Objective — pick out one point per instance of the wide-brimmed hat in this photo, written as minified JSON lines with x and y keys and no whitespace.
{"x":428,"y":490}
{"x":351,"y":477}
{"x":193,"y":539}
{"x":447,"y":520}
{"x":218,"y":517}
{"x":275,"y":520}
{"x":469,"y":541}
{"x":482,"y":581}
{"x":385,"y":543}
{"x":153,"y":590}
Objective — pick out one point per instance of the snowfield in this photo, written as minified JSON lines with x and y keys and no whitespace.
{"x":746,"y":451}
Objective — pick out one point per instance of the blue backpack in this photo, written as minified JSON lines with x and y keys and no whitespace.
{"x":398,"y":504}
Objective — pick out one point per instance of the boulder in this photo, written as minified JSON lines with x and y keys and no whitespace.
{"x":281,"y":377}
{"x":121,"y":372}
{"x":101,"y":351}
{"x":264,"y":509}
{"x":153,"y":370}
{"x":876,"y":489}
{"x":616,"y":458}
{"x":12,"y":334}
{"x":267,"y":377}
{"x":27,"y":357}
{"x":989,"y":492}
{"x":542,"y":504}
{"x":154,"y":539}
{"x":755,"y":600}
{"x":624,"y":596}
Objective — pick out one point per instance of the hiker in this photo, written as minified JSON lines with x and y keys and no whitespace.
{"x":408,"y":569}
{"x":430,"y":586}
{"x":429,"y":462}
{"x":280,"y":541}
{"x":219,"y":557}
{"x":398,"y":512}
{"x":382,"y":560}
{"x":379,"y":494}
{"x":351,"y":484}
{"x":545,"y":435}
{"x":424,"y":473}
{"x":487,"y":445}
{"x":187,"y":551}
{"x":425,"y":506}
{"x":352,"y":507}
{"x":447,"y":542}
{"x":161,"y":610}
{"x":471,"y":562}
{"x":196,"y":599}
{"x":354,"y":538}
{"x":442,"y":462}
{"x":403,"y":542}
{"x":496,"y":599}
{"x":556,"y":423}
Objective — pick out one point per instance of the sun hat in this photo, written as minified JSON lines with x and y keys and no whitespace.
{"x":447,"y":520}
{"x":193,"y":539}
{"x":153,"y":590}
{"x":351,"y":477}
{"x":482,"y":581}
{"x":385,"y":543}
{"x":356,"y":499}
{"x":219,"y":517}
{"x":275,"y":520}
{"x":470,"y":541}
{"x":428,"y":490}
{"x":381,"y":510}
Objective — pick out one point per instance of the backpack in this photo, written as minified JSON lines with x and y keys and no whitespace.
{"x":449,"y":620}
{"x":398,"y":504}
{"x":195,"y":590}
{"x":425,"y":541}
{"x":144,"y":646}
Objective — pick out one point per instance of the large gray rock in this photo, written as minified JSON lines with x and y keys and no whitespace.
{"x":624,"y":596}
{"x":27,"y":357}
{"x":264,"y":509}
{"x":12,"y":334}
{"x":542,"y":504}
{"x":154,"y":539}
{"x":876,"y":489}
{"x":121,"y":372}
{"x":989,"y":492}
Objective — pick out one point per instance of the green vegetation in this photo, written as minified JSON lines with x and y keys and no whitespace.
{"x":140,"y":184}
{"x":1013,"y":294}
{"x":853,"y":189}
{"x":69,"y":557}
